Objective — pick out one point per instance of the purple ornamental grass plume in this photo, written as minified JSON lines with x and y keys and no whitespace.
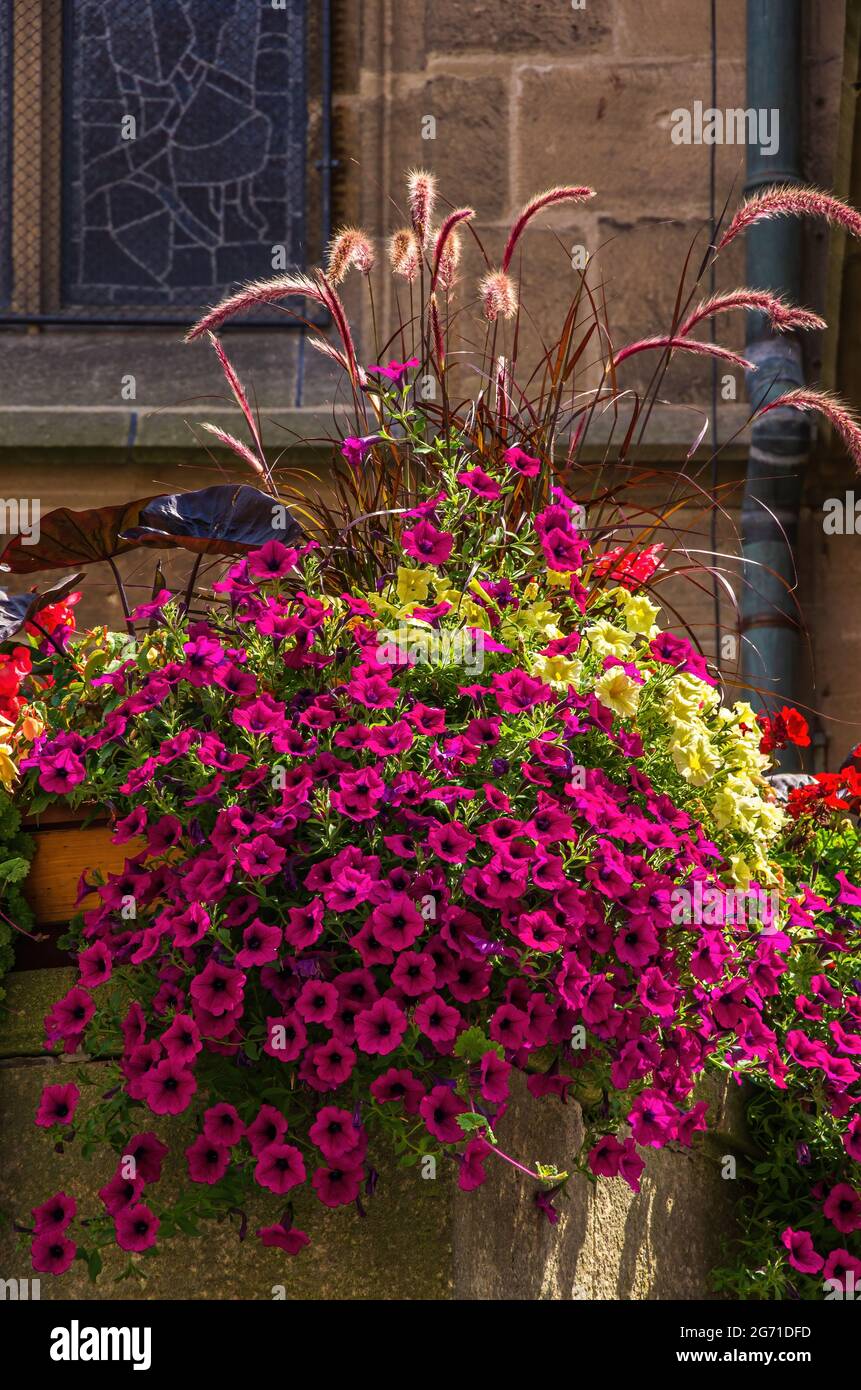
{"x":790,"y":201}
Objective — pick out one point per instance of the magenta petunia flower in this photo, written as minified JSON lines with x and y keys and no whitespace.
{"x":289,"y":1239}
{"x":167,"y":1088}
{"x":426,"y":544}
{"x":260,"y":944}
{"x":52,"y":1253}
{"x":471,"y":1173}
{"x":317,"y":1002}
{"x":802,"y":1255}
{"x":494,"y":1072}
{"x":148,"y":1153}
{"x":396,"y":371}
{"x":397,"y":923}
{"x":509,"y":1026}
{"x":336,"y":1187}
{"x":380,"y":1029}
{"x":337,"y":1136}
{"x":521,"y":462}
{"x":272,"y":561}
{"x":844,"y":1268}
{"x":398,"y":1084}
{"x":843,"y":1208}
{"x":359,"y":794}
{"x":539,"y":931}
{"x":285,"y":1037}
{"x":414,"y":973}
{"x":427,"y":719}
{"x":217,"y":989}
{"x":208,"y":1160}
{"x":268,"y":1127}
{"x":136,"y":1228}
{"x":333,"y":1063}
{"x":54,"y":1215}
{"x":221,"y":1124}
{"x":852,"y":1139}
{"x":154,"y":609}
{"x":95,"y":965}
{"x":390,"y":740}
{"x":57,"y":1105}
{"x":304,"y":925}
{"x":355,"y":448}
{"x":279,"y":1168}
{"x":60,"y":772}
{"x":605,"y":1157}
{"x":481,"y":484}
{"x":438,"y":1020}
{"x":653,"y":1120}
{"x":69,"y":1018}
{"x":516,"y":691}
{"x":439,"y":1109}
{"x":451,"y":841}
{"x":121,"y":1191}
{"x":261,"y":857}
{"x":181,"y":1041}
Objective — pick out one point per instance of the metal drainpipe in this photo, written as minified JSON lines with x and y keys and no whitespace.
{"x":780,"y":444}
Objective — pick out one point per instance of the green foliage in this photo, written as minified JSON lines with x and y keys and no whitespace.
{"x":16,"y":853}
{"x":798,"y":1126}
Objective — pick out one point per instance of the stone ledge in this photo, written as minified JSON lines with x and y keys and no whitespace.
{"x":29,"y":996}
{"x":132,"y":431}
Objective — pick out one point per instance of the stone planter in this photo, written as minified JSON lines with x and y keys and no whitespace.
{"x":420,"y":1239}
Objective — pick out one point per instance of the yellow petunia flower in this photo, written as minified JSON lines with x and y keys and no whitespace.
{"x":413,"y":585}
{"x":606,"y":639}
{"x":639,"y":613}
{"x":558,"y":671}
{"x":618,"y":691}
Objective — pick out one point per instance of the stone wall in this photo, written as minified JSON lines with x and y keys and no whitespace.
{"x":420,"y":1238}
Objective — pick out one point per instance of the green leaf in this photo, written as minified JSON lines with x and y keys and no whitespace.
{"x":473,"y":1123}
{"x":472,"y":1045}
{"x":14,"y":869}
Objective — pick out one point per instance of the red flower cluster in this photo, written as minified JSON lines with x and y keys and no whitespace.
{"x":631,"y":568}
{"x":14,"y":667}
{"x":787,"y":726}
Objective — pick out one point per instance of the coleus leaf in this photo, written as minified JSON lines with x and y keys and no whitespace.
{"x":225,"y":519}
{"x":67,"y":537}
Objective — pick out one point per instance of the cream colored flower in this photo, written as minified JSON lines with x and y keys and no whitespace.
{"x":607,"y":640}
{"x":694,"y":756}
{"x":639,"y":612}
{"x":413,"y":585}
{"x":618,"y":691}
{"x":558,"y":671}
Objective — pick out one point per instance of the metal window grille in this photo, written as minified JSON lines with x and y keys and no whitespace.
{"x":153,"y":155}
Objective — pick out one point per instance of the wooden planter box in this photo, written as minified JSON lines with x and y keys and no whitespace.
{"x":66,"y":847}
